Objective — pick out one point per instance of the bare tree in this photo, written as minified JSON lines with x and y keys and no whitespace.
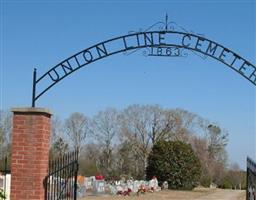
{"x":161,"y":123}
{"x":185,"y":125}
{"x":77,"y":127}
{"x":135,"y":128}
{"x":213,"y":146}
{"x":105,"y":127}
{"x":59,"y":147}
{"x":236,"y":176}
{"x":88,"y":161}
{"x":56,"y":129}
{"x":217,"y":141}
{"x":5,"y":135}
{"x":5,"y":125}
{"x":199,"y":145}
{"x":128,"y":162}
{"x":143,"y":126}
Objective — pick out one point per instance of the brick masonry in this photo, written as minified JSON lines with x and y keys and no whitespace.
{"x":30,"y":152}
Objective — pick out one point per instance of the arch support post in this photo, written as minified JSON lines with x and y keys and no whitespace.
{"x":34,"y":89}
{"x":30,"y":152}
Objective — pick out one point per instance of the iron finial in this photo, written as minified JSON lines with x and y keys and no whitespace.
{"x":166,"y":21}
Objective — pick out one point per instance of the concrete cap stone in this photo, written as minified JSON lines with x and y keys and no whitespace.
{"x":31,"y":110}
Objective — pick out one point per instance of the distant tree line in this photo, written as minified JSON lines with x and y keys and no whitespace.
{"x":117,"y":143}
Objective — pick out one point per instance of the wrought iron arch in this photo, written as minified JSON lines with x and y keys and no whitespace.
{"x":158,"y":43}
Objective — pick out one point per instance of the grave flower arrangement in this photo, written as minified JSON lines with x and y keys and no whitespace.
{"x":2,"y":196}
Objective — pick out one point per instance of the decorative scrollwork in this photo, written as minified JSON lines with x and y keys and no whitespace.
{"x":204,"y":57}
{"x":146,"y":51}
{"x":129,"y":52}
{"x":183,"y":52}
{"x":166,"y":26}
{"x":139,"y":31}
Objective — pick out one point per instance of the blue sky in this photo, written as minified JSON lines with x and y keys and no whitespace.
{"x":42,"y":33}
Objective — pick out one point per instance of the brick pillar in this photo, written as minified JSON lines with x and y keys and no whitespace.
{"x":30,"y":152}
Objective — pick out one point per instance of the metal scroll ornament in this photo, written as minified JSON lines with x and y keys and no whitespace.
{"x":163,"y":50}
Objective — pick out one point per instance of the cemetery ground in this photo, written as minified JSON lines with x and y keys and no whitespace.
{"x":196,"y":194}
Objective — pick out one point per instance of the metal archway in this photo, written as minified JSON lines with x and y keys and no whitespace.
{"x":161,"y":43}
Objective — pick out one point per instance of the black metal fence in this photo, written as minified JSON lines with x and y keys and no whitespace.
{"x":61,"y":182}
{"x":251,"y":180}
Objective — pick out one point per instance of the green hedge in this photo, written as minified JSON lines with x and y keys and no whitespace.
{"x":176,"y":163}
